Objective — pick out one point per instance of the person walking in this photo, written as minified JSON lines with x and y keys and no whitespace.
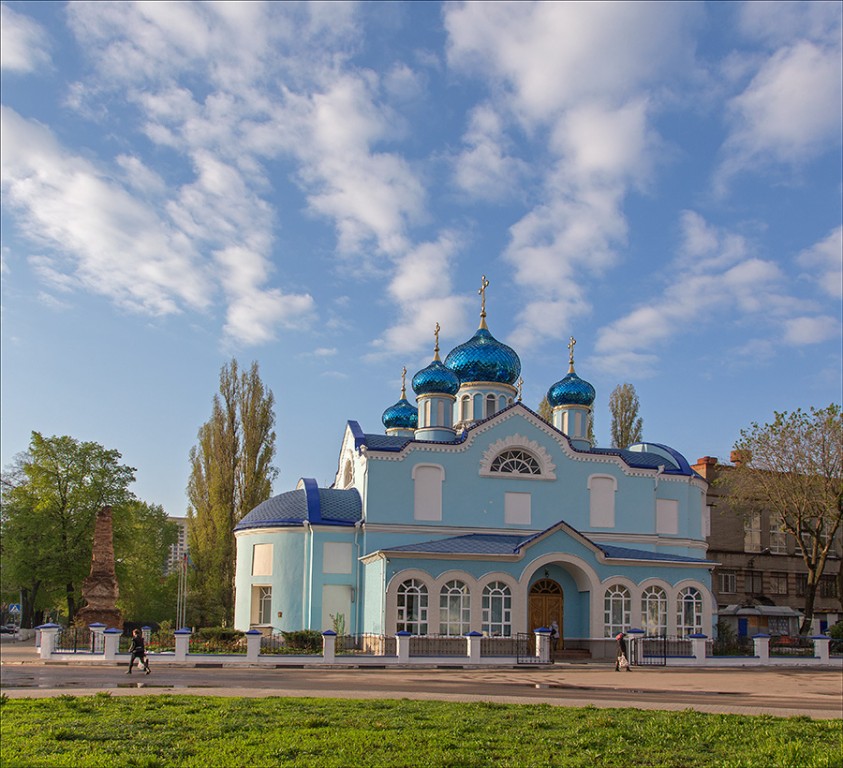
{"x":554,"y":636}
{"x":621,"y":660}
{"x":137,"y":650}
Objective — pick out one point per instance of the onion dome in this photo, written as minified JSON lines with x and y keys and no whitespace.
{"x":436,"y":379}
{"x":401,"y":415}
{"x":571,"y":390}
{"x":484,"y":358}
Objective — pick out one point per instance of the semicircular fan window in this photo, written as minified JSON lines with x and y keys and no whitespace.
{"x":515,"y":462}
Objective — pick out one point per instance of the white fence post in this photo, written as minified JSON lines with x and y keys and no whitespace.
{"x":762,"y":646}
{"x":473,"y":640}
{"x":96,"y":630}
{"x":49,"y":632}
{"x":698,"y":642}
{"x":253,"y":644}
{"x":329,"y":646}
{"x":543,"y":644}
{"x":402,"y":640}
{"x":821,"y":647}
{"x":111,"y":643}
{"x":182,"y":643}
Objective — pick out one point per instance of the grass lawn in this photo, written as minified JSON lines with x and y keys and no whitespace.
{"x":166,"y":730}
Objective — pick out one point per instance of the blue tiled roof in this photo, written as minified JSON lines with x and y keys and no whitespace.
{"x":329,"y":506}
{"x":625,"y":553}
{"x":469,"y":544}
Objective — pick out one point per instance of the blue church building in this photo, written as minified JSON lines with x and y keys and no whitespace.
{"x":472,"y":513}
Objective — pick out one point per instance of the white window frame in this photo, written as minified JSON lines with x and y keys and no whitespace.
{"x":617,"y":610}
{"x":411,"y":607}
{"x":264,"y":595}
{"x":454,"y":608}
{"x":654,"y":610}
{"x":778,"y":540}
{"x":752,"y":533}
{"x":727,"y":582}
{"x":497,"y":609}
{"x":689,"y":609}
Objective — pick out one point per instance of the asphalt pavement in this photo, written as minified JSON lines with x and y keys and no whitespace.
{"x":816,"y":692}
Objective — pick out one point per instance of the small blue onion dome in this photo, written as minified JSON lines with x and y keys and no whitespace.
{"x":436,"y":379}
{"x":572,"y":390}
{"x":484,"y":358}
{"x":402,"y":415}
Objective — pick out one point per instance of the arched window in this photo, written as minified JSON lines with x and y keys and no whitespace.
{"x":465,"y":408}
{"x":497,"y":610}
{"x":617,"y":606}
{"x":515,"y":462}
{"x":491,"y":403}
{"x":689,"y":612}
{"x":427,"y":421}
{"x":412,"y":607}
{"x":654,"y":611}
{"x":454,"y":609}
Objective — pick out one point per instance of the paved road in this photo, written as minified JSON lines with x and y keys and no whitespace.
{"x":817,"y":693}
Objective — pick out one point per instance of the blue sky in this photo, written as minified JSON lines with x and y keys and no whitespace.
{"x":313,"y":186}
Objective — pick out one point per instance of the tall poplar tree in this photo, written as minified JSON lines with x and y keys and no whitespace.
{"x":626,"y":423}
{"x":231,"y":472}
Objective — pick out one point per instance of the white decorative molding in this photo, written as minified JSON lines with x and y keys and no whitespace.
{"x":537,"y":450}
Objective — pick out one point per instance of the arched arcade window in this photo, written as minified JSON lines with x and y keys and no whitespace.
{"x":617,"y":607}
{"x":654,"y":611}
{"x":689,"y":612}
{"x":497,"y":610}
{"x":454,"y":609}
{"x":412,"y":607}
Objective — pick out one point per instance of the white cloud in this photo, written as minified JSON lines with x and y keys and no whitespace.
{"x":800,"y":331}
{"x":825,"y":260}
{"x":24,"y":46}
{"x":777,"y":22}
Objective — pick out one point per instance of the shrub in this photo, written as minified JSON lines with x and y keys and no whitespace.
{"x":308,"y":639}
{"x":223,"y":634}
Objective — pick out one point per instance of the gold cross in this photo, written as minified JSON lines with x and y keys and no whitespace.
{"x":571,"y":344}
{"x":436,"y":330}
{"x":404,"y":382}
{"x":520,"y":388}
{"x":484,"y":284}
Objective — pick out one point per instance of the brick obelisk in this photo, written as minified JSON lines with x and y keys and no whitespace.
{"x":100,"y":590}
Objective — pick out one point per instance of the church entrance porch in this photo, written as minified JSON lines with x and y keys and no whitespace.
{"x":546,"y":605}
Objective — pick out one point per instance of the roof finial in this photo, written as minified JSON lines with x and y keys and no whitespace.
{"x":404,"y":383}
{"x":436,"y":348}
{"x":484,"y":284}
{"x":571,"y":344}
{"x":520,"y":387}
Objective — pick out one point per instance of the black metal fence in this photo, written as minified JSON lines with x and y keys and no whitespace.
{"x":654,"y":650}
{"x":438,"y":645}
{"x":499,"y":646}
{"x":366,"y":645}
{"x":525,"y":649}
{"x":732,"y":646}
{"x":78,"y":640}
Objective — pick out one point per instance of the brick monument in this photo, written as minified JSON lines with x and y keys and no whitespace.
{"x":100,"y":590}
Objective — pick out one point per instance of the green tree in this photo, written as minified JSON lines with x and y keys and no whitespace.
{"x":50,"y":500}
{"x":142,"y":538}
{"x":793,"y":469}
{"x":231,"y":472}
{"x":626,"y":423}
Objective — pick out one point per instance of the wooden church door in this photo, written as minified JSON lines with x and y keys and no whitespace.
{"x":546,"y":605}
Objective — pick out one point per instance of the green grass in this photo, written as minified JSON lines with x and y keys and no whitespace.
{"x":166,"y":730}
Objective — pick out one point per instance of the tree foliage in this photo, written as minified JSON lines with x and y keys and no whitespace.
{"x":793,"y":469}
{"x":626,"y":425}
{"x":51,"y":496}
{"x":231,"y":472}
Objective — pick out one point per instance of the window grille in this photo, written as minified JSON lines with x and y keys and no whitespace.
{"x":517,"y":462}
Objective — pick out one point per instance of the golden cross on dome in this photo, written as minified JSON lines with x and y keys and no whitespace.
{"x":520,"y":388}
{"x":484,"y":284}
{"x":571,"y":345}
{"x":436,"y":330}
{"x":404,"y":382}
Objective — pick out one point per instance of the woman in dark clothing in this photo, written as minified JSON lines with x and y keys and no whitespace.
{"x":621,"y":653}
{"x":137,"y":651}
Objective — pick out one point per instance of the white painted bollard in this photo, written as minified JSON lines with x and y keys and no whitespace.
{"x":182,"y":643}
{"x":762,"y":646}
{"x":111,"y":643}
{"x":473,"y":640}
{"x":821,"y":647}
{"x":543,"y":644}
{"x":402,"y":640}
{"x":253,"y":644}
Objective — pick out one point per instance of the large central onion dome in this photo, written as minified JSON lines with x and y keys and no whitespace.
{"x":484,"y":358}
